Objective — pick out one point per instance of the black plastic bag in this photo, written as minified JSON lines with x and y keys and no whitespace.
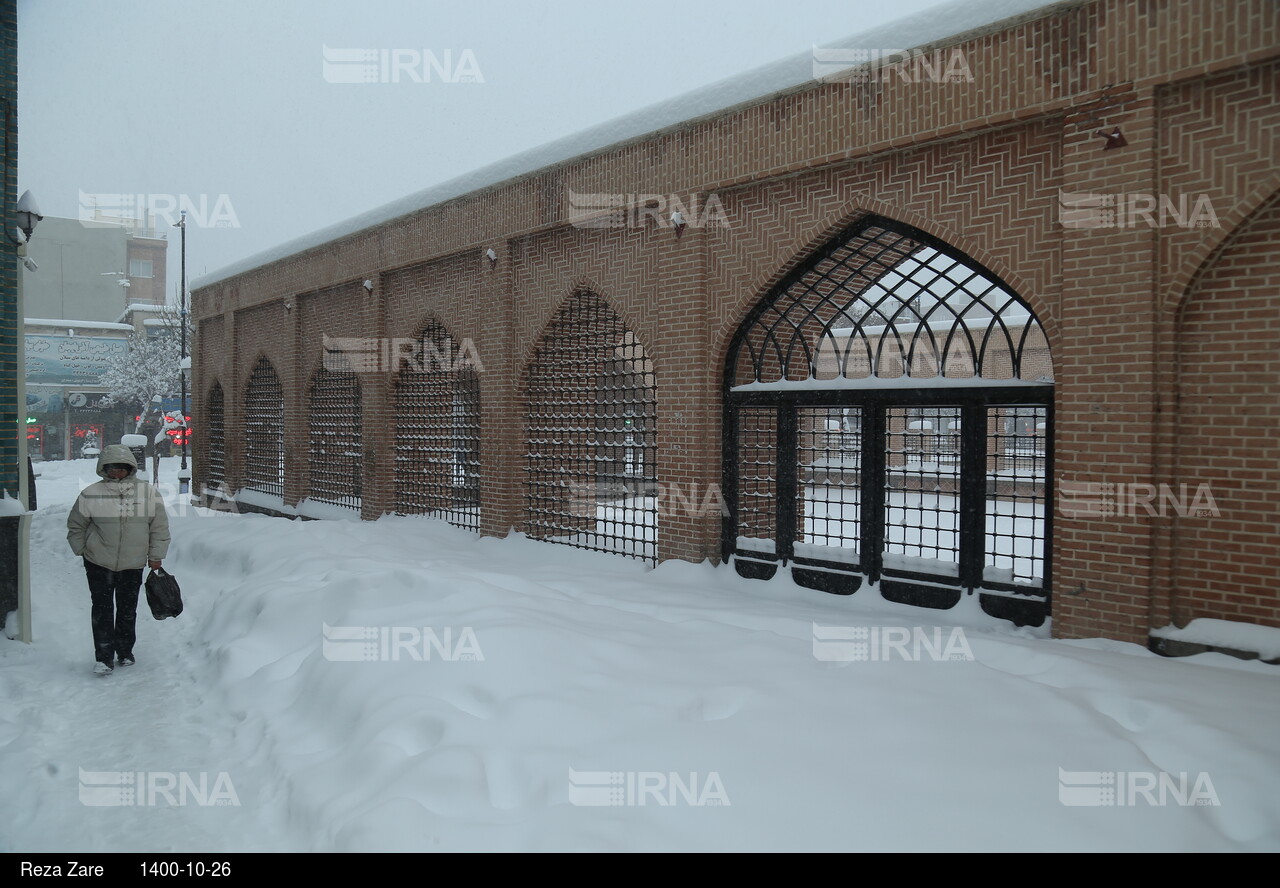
{"x":163,"y":594}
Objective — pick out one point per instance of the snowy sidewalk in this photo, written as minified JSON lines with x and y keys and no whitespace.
{"x":402,"y":685}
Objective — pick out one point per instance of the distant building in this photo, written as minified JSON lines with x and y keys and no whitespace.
{"x":93,"y":270}
{"x":95,"y":282}
{"x":65,"y":361}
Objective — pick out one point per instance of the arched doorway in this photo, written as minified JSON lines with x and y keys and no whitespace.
{"x":437,"y":430}
{"x":335,"y":440}
{"x":591,"y":426}
{"x":888,"y":419}
{"x":1221,"y":497}
{"x":264,"y":430}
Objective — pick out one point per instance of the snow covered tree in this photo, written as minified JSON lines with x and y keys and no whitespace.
{"x":150,"y":370}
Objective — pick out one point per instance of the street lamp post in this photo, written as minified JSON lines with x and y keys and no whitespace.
{"x":182,"y":326}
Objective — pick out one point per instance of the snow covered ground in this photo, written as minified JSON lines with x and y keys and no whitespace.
{"x":403,"y":685}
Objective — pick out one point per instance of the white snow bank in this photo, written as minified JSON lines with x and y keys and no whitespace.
{"x":402,"y":685}
{"x":310,"y":508}
{"x":10,"y":506}
{"x":1265,"y":640}
{"x":250,"y":497}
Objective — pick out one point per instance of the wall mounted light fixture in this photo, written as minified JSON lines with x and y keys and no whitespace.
{"x":27,"y":214}
{"x":1115,"y":139}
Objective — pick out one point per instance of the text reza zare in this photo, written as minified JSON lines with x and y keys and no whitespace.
{"x":73,"y":869}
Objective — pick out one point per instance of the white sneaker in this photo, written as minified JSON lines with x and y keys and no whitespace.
{"x":101,"y":669}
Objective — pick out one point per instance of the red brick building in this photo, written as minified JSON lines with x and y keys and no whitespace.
{"x":1090,"y":189}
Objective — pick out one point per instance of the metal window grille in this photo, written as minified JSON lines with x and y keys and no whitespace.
{"x":829,"y":466}
{"x":437,"y":404}
{"x":757,"y":481}
{"x":854,"y":448}
{"x":888,"y":301}
{"x":335,"y":460}
{"x":216,"y":444}
{"x":922,"y":489}
{"x":1016,"y":507}
{"x":592,"y":434}
{"x":264,"y":430}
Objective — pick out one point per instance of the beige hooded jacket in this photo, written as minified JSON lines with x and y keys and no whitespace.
{"x":119,"y":525}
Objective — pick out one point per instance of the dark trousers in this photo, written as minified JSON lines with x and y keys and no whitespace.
{"x":115,"y":609}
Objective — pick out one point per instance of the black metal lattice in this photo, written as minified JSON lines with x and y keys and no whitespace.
{"x":757,"y":467}
{"x":889,"y":414}
{"x":216,"y":438}
{"x":922,"y":490}
{"x":334,"y":457}
{"x":264,"y":430}
{"x":829,"y":468}
{"x":437,"y":404}
{"x":888,"y":301}
{"x":1017,"y":508}
{"x":592,"y":434}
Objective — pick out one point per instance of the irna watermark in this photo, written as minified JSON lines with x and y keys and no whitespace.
{"x":1131,"y":210}
{"x":1100,"y":499}
{"x":586,"y":499}
{"x":883,"y":643}
{"x":640,"y":788}
{"x":154,"y":788}
{"x":158,"y":210}
{"x":1099,"y":789}
{"x":373,"y":354}
{"x":387,"y":644}
{"x":400,"y":66}
{"x":607,"y":210}
{"x":867,"y":65}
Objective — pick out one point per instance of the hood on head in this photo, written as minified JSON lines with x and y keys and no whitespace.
{"x":117,"y":453}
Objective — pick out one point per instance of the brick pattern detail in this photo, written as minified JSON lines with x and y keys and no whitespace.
{"x":1226,"y":542}
{"x":983,"y":163}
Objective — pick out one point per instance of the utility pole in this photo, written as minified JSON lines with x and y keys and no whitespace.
{"x":182,"y":367}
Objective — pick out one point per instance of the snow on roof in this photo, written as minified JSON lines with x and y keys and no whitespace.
{"x":84,"y":325}
{"x":140,"y":306}
{"x":948,"y":22}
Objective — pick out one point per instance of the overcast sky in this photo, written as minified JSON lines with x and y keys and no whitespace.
{"x":233,"y":106}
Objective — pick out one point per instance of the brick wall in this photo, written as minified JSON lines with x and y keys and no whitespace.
{"x":1226,"y":521}
{"x":983,"y":164}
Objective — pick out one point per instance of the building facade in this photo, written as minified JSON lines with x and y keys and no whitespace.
{"x":13,"y":533}
{"x":91,"y":284}
{"x":1008,"y":331}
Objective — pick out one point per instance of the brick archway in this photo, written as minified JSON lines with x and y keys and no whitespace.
{"x":888,"y":418}
{"x":591,"y":420}
{"x":1223,"y":497}
{"x":436,"y":396}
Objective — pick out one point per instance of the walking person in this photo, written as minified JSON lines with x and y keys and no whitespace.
{"x":117,"y":525}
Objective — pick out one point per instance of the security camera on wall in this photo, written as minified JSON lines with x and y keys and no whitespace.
{"x":29,"y":264}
